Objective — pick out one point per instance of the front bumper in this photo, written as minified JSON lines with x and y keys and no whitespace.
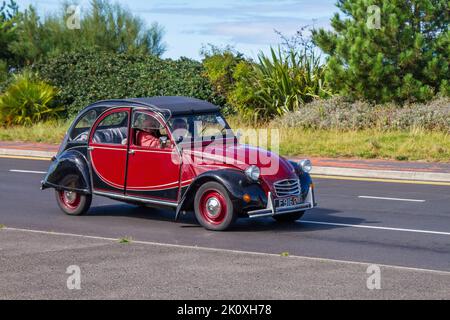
{"x":271,"y":210}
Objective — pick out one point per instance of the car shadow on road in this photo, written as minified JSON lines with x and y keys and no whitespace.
{"x":132,"y":211}
{"x":324,"y":215}
{"x":188,"y":220}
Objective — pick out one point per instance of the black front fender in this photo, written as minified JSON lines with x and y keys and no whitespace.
{"x":236,"y":184}
{"x":70,"y":162}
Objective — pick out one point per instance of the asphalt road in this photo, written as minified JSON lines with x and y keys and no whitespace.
{"x":354,"y":223}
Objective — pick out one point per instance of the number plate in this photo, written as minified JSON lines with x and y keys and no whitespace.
{"x":287,"y":202}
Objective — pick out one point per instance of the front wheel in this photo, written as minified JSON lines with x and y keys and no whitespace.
{"x":213,"y":207}
{"x":289,"y":217}
{"x":70,"y":202}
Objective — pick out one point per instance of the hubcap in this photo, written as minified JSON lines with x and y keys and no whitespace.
{"x":70,"y":197}
{"x":213,"y":206}
{"x":70,"y":200}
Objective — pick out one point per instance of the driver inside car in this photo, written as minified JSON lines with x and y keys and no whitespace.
{"x":147,"y":135}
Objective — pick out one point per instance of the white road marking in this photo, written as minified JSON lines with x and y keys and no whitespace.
{"x":391,"y":199}
{"x":220,"y":250}
{"x":441,"y":233}
{"x":28,"y":171}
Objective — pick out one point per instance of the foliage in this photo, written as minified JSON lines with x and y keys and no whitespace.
{"x":104,"y":27}
{"x":3,"y":73}
{"x":27,"y":101}
{"x":340,"y":114}
{"x":277,"y":84}
{"x":220,"y":67}
{"x":298,"y":141}
{"x":8,"y":17}
{"x":286,"y":81}
{"x":87,"y":76}
{"x":404,"y":58}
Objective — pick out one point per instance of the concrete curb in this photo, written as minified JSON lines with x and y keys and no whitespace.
{"x":328,"y":171}
{"x":383,"y":174}
{"x":26,"y":153}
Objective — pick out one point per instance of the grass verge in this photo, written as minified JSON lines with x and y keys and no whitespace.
{"x":415,"y":145}
{"x":45,"y":132}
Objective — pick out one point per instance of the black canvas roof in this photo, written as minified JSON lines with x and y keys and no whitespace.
{"x":177,"y":105}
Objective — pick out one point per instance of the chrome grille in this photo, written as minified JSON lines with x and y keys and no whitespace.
{"x":286,"y":188}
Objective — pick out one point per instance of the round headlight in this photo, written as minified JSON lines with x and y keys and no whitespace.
{"x":253,"y":173}
{"x":306,"y":165}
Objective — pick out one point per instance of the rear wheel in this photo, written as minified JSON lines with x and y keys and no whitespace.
{"x":70,"y":202}
{"x":289,"y":217}
{"x":213,"y":207}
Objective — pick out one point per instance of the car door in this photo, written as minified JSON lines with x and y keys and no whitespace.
{"x":108,"y":147}
{"x":153,"y":169}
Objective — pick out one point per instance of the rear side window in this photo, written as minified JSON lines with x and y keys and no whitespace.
{"x":81,"y":130}
{"x":113,"y":129}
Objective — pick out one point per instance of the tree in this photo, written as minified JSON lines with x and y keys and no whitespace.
{"x":8,"y":19}
{"x":396,"y":50}
{"x":105,"y":27}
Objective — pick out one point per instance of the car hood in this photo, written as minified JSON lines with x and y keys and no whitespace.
{"x":238,"y":156}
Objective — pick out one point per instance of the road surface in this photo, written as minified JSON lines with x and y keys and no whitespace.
{"x":402,"y":227}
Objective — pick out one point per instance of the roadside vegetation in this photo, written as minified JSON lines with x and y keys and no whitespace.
{"x":413,"y":144}
{"x":355,"y":90}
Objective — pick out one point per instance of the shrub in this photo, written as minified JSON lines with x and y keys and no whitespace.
{"x":277,"y":84}
{"x":286,"y":81}
{"x":27,"y":100}
{"x":220,"y":68}
{"x":338,"y":113}
{"x":87,"y":76}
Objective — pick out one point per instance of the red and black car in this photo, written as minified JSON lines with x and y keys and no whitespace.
{"x":174,"y":152}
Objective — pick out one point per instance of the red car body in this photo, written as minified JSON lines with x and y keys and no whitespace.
{"x":213,"y":175}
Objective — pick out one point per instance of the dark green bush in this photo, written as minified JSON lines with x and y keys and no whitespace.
{"x":3,"y":75}
{"x":87,"y":76}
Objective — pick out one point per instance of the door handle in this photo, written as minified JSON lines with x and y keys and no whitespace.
{"x":131,"y":152}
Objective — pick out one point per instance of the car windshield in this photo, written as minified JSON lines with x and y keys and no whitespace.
{"x":200,"y":127}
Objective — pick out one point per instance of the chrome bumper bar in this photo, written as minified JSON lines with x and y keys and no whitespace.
{"x":271,"y":210}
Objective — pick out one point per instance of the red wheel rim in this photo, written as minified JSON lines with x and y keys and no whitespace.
{"x":70,"y":200}
{"x":213,"y":207}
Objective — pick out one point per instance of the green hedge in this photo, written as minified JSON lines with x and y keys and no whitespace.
{"x":86,"y":76}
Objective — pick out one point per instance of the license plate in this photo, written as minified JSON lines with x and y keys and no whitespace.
{"x":287,"y":202}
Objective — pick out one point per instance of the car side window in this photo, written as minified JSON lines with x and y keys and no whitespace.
{"x":113,"y":129}
{"x":81,"y":130}
{"x":147,"y":131}
{"x":181,"y":129}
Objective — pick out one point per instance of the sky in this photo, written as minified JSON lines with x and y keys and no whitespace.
{"x":247,"y":25}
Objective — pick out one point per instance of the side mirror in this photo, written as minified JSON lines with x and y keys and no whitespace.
{"x":163,"y":141}
{"x":180,"y":139}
